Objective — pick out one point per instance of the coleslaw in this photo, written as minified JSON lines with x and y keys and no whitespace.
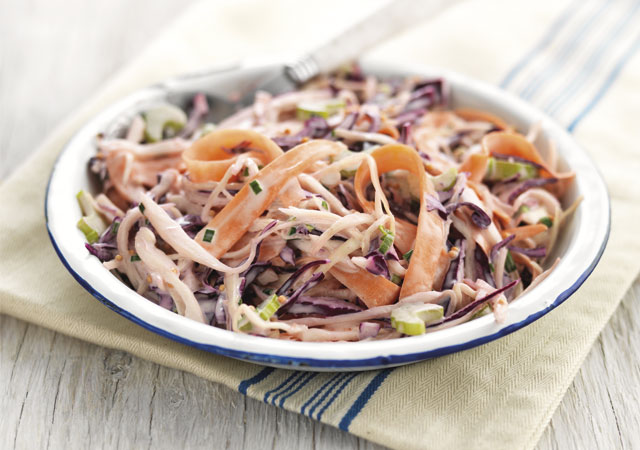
{"x":354,"y":208}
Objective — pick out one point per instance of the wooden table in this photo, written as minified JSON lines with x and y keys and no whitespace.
{"x":60,"y":392}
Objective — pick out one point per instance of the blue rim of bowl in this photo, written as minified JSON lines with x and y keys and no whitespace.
{"x":325,"y":363}
{"x":297,"y":362}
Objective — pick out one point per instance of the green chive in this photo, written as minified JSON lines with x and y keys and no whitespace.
{"x":309,"y":227}
{"x":324,"y":205}
{"x":260,"y":166}
{"x":114,"y":227}
{"x":292,"y":231}
{"x":255,"y":187}
{"x":246,"y":172}
{"x":547,"y":222}
{"x":141,"y":208}
{"x":386,"y":241}
{"x":492,"y":267}
{"x":509,"y":264}
{"x":135,"y":258}
{"x":407,"y":256}
{"x":396,"y":279}
{"x":208,"y":235}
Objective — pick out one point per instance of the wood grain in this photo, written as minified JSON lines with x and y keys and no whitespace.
{"x":60,"y":392}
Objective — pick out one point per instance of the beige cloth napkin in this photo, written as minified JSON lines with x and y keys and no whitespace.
{"x":499,"y":395}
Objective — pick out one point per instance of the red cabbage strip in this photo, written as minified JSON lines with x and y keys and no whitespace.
{"x":479,"y":217}
{"x":483,"y":270}
{"x":105,"y":249}
{"x":496,"y":248}
{"x":434,"y":203}
{"x":287,"y":284}
{"x":374,"y":119}
{"x":474,"y":304}
{"x":410,"y":116}
{"x":377,"y":265}
{"x":348,"y":122}
{"x":405,"y":131}
{"x":191,"y":224}
{"x":315,"y":128}
{"x":199,"y":110}
{"x":324,"y":306}
{"x":456,"y":268}
{"x":539,"y":252}
{"x":526,"y":185}
{"x":369,"y":329}
{"x":311,"y":282}
{"x":288,"y":256}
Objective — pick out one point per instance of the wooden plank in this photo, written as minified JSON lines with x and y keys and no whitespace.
{"x":600,"y":410}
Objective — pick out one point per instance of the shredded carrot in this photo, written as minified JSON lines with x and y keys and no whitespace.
{"x":525,"y":231}
{"x":472,"y":115}
{"x":373,"y":290}
{"x":233,"y":221}
{"x":210,"y":156}
{"x":429,"y":260}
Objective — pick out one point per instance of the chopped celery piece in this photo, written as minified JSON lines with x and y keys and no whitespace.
{"x":89,"y":232}
{"x":161,"y":117}
{"x":445,"y":180}
{"x":500,"y":169}
{"x":85,"y":201}
{"x":268,"y":307}
{"x":244,"y":324}
{"x":91,"y":224}
{"x":325,"y":205}
{"x":412,"y":318}
{"x":325,"y":109}
{"x":407,"y":256}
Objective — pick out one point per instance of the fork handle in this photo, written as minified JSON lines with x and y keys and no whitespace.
{"x":394,"y":17}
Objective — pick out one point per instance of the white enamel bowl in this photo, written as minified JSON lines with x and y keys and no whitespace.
{"x":580,"y":243}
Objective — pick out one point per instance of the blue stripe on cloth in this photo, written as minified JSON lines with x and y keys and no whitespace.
{"x":303,"y":376}
{"x":564,"y":56}
{"x":611,"y":78}
{"x":590,"y":67}
{"x":345,"y":383}
{"x":245,"y":384}
{"x":318,"y":392}
{"x":300,"y":386}
{"x":282,"y":385}
{"x":326,"y":393}
{"x":362,"y":400}
{"x":553,"y":30}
